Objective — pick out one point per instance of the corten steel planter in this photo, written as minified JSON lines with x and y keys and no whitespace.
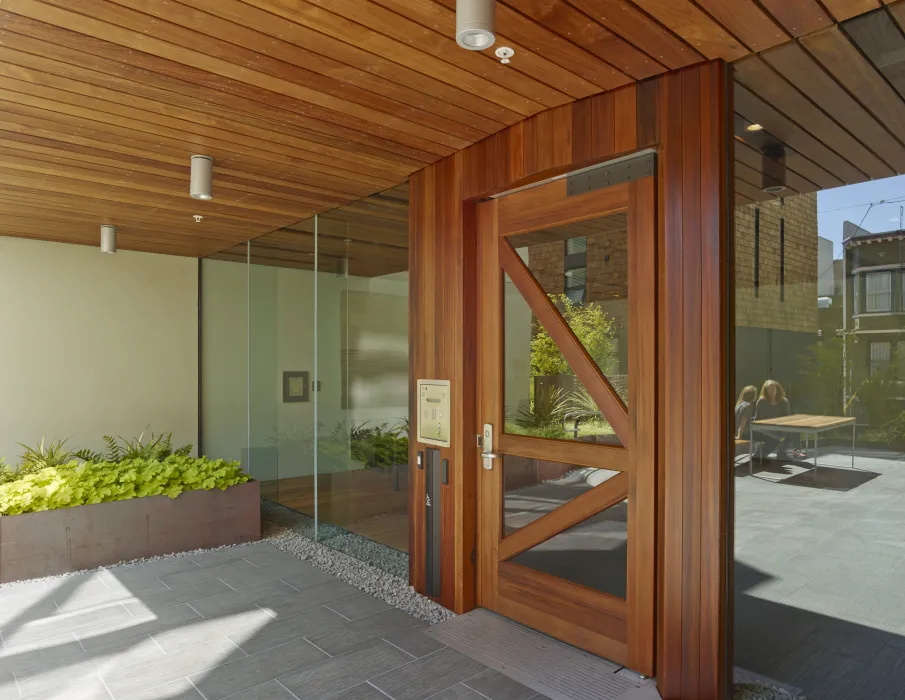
{"x":69,"y":539}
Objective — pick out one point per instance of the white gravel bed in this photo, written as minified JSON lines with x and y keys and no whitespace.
{"x":762,"y":691}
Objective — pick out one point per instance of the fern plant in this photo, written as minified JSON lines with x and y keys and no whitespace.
{"x":54,"y":454}
{"x":157,"y":447}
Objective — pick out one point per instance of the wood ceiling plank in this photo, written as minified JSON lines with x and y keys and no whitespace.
{"x":138,"y":244}
{"x":858,"y":75}
{"x":365,"y":38}
{"x":231,"y":134}
{"x":246,"y":26}
{"x":696,"y":27}
{"x":634,"y":26}
{"x":755,"y":110}
{"x":199,"y":31}
{"x":534,"y":37}
{"x":373,"y":66}
{"x":799,"y":17}
{"x":62,"y":113}
{"x":802,"y":71}
{"x":126,"y":195}
{"x":103,"y":25}
{"x":443,"y":46}
{"x":100,"y":63}
{"x":750,"y":157}
{"x":577,"y":27}
{"x":846,"y":9}
{"x":756,"y":74}
{"x":437,"y":18}
{"x":877,"y":35}
{"x":748,"y":21}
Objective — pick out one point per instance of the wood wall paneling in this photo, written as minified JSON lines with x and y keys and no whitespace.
{"x":686,"y":115}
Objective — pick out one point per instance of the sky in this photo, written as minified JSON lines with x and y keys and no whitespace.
{"x":874,"y":206}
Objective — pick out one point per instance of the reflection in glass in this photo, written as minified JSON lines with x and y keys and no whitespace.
{"x":820,"y":547}
{"x":534,"y":487}
{"x":583,"y":269}
{"x":591,"y":553}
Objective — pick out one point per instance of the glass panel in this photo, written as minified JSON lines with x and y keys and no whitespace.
{"x":535,"y":487}
{"x":543,"y":397}
{"x":819,"y":536}
{"x":363,"y":373}
{"x":591,"y":553}
{"x":583,"y":267}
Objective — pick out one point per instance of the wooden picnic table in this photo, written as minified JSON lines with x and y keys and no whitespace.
{"x":799,"y":423}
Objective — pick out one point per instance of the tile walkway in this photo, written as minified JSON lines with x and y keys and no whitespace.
{"x":247,"y":623}
{"x":820,"y":575}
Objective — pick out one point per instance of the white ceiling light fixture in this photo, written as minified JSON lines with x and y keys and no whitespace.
{"x":754,"y":127}
{"x":108,"y":239}
{"x":202,"y":177}
{"x":475,"y":24}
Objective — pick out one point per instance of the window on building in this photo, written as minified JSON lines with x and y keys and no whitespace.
{"x":575,"y":264}
{"x":878,"y":292}
{"x":880,"y":357}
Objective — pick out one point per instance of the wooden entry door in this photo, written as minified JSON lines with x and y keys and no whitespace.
{"x":567,"y":384}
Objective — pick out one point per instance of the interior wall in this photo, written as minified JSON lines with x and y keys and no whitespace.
{"x":94,"y":344}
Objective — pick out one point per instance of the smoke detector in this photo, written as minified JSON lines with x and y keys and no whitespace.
{"x":197,"y":218}
{"x":504,"y":53}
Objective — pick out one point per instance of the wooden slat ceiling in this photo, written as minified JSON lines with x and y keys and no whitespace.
{"x":832,"y":104}
{"x":306,"y":105}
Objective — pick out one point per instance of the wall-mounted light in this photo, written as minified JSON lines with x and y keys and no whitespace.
{"x":475,"y":24}
{"x":202,"y":177}
{"x":108,"y":239}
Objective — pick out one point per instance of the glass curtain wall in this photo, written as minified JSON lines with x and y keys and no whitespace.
{"x":819,"y":426}
{"x":321,"y":316}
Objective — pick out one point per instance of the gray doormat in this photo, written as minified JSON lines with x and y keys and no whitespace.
{"x":544,"y":664}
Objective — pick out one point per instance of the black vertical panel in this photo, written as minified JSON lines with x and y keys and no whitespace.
{"x":782,"y":259}
{"x":432,"y":513}
{"x":757,"y":251}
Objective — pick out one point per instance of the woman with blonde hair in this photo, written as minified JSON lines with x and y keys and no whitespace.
{"x":774,"y":404}
{"x":744,"y":410}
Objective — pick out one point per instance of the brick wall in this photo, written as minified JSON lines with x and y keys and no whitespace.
{"x":798,"y":310}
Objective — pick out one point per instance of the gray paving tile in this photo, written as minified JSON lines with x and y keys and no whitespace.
{"x":49,"y":652}
{"x":343,"y":672}
{"x":458,"y":692}
{"x":496,"y":686}
{"x":179,"y":617}
{"x":425,"y":677}
{"x":414,"y":642}
{"x":265,"y":553}
{"x":8,"y":688}
{"x":172,"y":638}
{"x":365,"y":691}
{"x":222,"y":571}
{"x":181,"y":689}
{"x":91,"y":688}
{"x":220,"y":556}
{"x":299,"y":574}
{"x":253,"y":670}
{"x":133,"y":675}
{"x":277,"y":632}
{"x":359,"y":606}
{"x":179,"y":596}
{"x":88,"y":665}
{"x":271,"y":690}
{"x":110,"y":618}
{"x":235,"y":601}
{"x":361,"y":632}
{"x":314,"y":596}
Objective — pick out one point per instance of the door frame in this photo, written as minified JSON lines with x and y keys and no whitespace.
{"x":623,"y":630}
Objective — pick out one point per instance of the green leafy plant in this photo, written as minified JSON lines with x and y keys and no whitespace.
{"x":549,"y":407}
{"x":75,"y":484}
{"x":591,"y":325}
{"x":7,"y":473}
{"x":157,"y":447}
{"x":46,"y":455}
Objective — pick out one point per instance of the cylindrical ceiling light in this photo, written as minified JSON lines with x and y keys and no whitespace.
{"x":202,"y":177}
{"x":475,"y":24}
{"x":108,"y":239}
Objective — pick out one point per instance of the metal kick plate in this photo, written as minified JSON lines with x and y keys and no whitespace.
{"x":433,"y":412}
{"x":609,"y":174}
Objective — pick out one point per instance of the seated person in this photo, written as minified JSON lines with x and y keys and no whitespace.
{"x":774,"y":404}
{"x":744,"y":411}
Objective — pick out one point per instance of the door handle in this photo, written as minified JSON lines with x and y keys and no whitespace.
{"x":488,"y":455}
